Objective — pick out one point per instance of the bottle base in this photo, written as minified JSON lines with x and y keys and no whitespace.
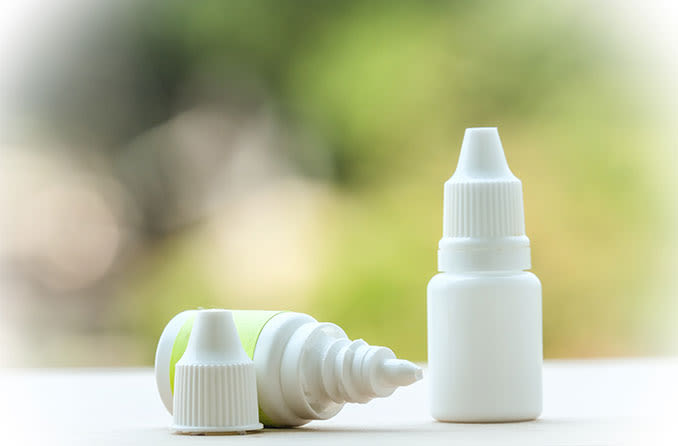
{"x":476,"y":419}
{"x":484,"y":421}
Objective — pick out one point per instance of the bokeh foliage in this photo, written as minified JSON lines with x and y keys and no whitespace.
{"x":381,"y":92}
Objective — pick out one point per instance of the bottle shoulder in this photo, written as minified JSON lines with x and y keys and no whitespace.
{"x":446,"y":280}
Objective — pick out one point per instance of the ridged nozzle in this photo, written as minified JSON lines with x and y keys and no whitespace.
{"x":363,"y":372}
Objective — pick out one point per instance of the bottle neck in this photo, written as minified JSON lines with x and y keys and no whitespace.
{"x":466,"y":254}
{"x":321,"y":369}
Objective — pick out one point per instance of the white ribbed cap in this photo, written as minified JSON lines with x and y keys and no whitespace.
{"x":215,"y":387}
{"x":483,"y":218}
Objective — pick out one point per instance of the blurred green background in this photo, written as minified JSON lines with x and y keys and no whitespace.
{"x":158,"y":156}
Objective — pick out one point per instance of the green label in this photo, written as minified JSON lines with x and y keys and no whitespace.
{"x":249,"y":324}
{"x":179,"y":347}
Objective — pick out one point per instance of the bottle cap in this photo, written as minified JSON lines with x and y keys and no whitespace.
{"x":483,"y":218}
{"x":215,"y":387}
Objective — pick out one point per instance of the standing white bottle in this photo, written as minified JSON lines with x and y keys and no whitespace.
{"x":484,"y":308}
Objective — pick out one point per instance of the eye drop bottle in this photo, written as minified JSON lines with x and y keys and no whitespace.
{"x":305,"y":370}
{"x":484,"y":307}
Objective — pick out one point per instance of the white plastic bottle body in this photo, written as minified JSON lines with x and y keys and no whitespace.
{"x":485,"y":346}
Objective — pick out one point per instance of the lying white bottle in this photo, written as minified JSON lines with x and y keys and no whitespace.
{"x":306,"y":370}
{"x":484,"y":308}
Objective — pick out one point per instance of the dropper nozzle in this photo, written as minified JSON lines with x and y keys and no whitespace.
{"x":357,"y":372}
{"x":482,"y":156}
{"x":399,"y":372}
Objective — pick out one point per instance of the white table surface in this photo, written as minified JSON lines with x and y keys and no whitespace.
{"x":585,"y":403}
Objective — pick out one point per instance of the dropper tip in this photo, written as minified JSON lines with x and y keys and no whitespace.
{"x":399,"y":372}
{"x":482,"y":155}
